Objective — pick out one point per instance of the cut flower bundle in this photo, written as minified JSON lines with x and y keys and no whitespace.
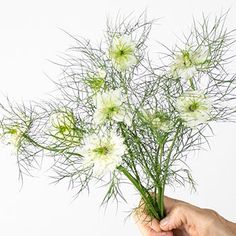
{"x":122,"y":116}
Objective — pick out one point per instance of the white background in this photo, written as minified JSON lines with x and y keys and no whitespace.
{"x":29,"y":35}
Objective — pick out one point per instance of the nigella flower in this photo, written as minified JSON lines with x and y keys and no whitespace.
{"x":188,"y":62}
{"x":103,"y":152}
{"x":194,"y":108}
{"x":158,"y":120}
{"x":122,"y":53}
{"x":96,"y":80}
{"x":13,"y":134}
{"x":62,"y":126}
{"x":110,"y":106}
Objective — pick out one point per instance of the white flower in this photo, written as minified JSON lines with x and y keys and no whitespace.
{"x":122,"y":53}
{"x":158,"y":119}
{"x":188,"y":62}
{"x":61,"y":123}
{"x":96,"y":80}
{"x":15,"y":129}
{"x":13,"y":134}
{"x":161,"y":124}
{"x":103,"y":151}
{"x":194,"y":108}
{"x":110,"y":105}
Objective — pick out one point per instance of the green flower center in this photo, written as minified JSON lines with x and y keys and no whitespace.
{"x":12,"y":131}
{"x":62,"y":129}
{"x":95,"y":83}
{"x":122,"y":52}
{"x":102,"y":151}
{"x":186,"y":59}
{"x":110,"y":111}
{"x":193,"y":107}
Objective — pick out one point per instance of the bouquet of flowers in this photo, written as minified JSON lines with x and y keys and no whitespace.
{"x":121,"y":116}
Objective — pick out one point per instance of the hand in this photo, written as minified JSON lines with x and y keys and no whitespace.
{"x":148,"y":226}
{"x":184,"y":219}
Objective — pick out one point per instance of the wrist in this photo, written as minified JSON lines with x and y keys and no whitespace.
{"x":224,"y":227}
{"x":232,"y":227}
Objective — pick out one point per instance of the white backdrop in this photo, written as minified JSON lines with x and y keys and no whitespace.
{"x":29,"y":36}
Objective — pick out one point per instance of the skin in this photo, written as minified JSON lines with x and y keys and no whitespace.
{"x":184,"y":219}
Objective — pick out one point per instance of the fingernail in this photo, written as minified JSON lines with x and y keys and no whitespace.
{"x":164,"y":222}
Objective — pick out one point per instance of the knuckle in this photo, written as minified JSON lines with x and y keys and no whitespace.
{"x":178,"y":209}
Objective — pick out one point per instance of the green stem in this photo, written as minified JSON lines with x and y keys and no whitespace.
{"x":147,"y":198}
{"x":167,"y":161}
{"x":124,"y":132}
{"x":157,"y":203}
{"x":48,"y":148}
{"x":160,"y":189}
{"x":130,"y":151}
{"x":140,"y":146}
{"x":161,"y":201}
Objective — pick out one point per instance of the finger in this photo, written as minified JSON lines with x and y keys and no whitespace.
{"x":144,"y":228}
{"x":150,"y":227}
{"x":173,"y":220}
{"x":140,"y":215}
{"x":147,"y":231}
{"x":143,"y":220}
{"x":167,"y":233}
{"x":155,"y":225}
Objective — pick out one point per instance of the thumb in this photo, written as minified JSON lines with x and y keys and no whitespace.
{"x":173,"y":220}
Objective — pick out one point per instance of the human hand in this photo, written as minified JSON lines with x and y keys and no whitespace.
{"x":147,"y":225}
{"x":184,"y":219}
